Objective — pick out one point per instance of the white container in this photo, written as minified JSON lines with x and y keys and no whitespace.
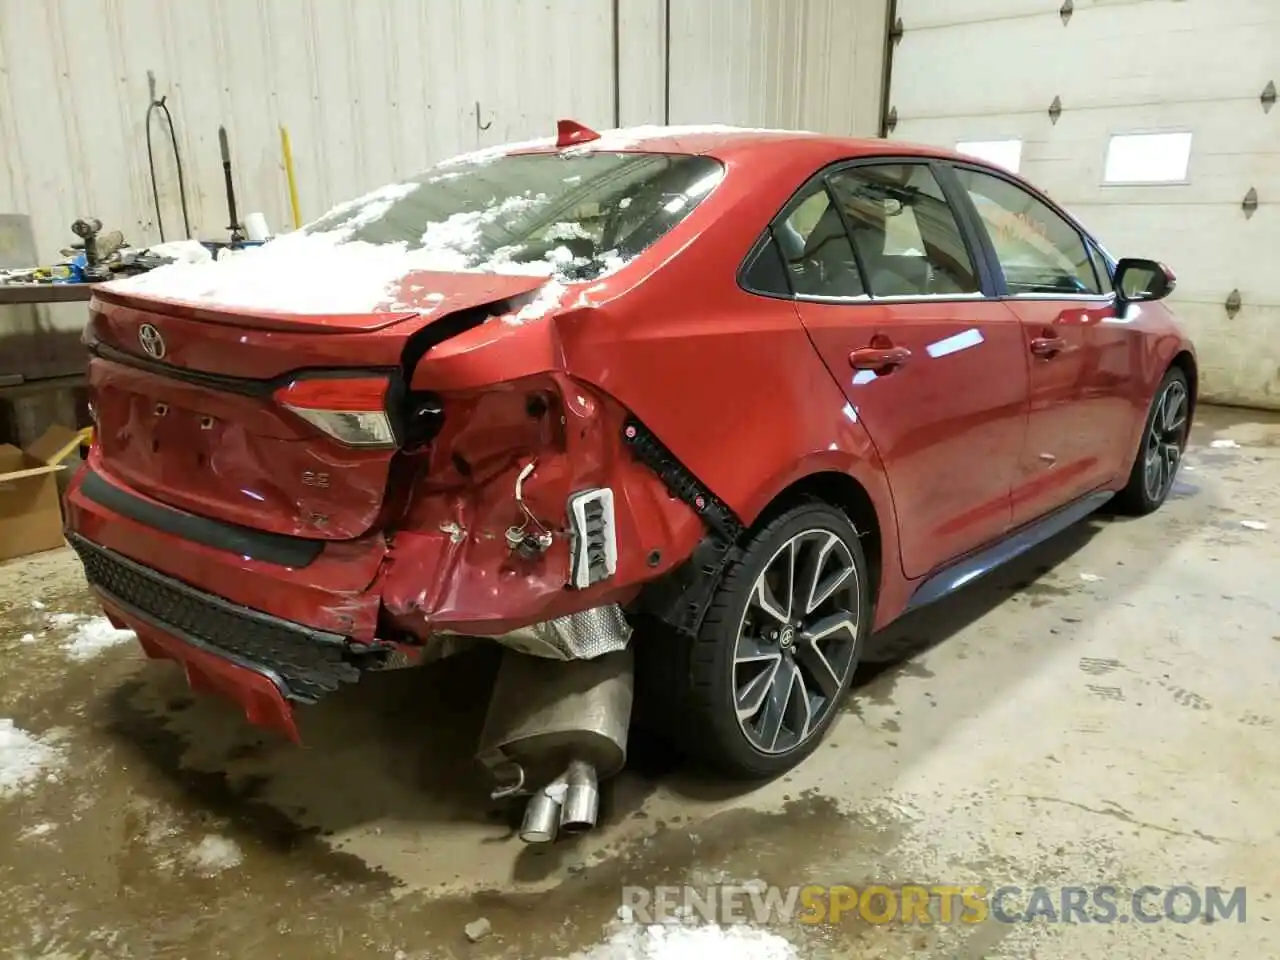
{"x":255,"y":226}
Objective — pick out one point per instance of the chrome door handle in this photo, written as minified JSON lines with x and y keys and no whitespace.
{"x":1047,"y":346}
{"x":878,"y":358}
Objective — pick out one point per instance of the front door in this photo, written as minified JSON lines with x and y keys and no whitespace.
{"x":1080,"y":418}
{"x":936,"y":373}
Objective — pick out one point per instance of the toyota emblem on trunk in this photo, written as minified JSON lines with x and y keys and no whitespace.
{"x":152,"y":342}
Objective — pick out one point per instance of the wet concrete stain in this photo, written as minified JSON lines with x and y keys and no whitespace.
{"x":1099,"y":666}
{"x":220,"y":793}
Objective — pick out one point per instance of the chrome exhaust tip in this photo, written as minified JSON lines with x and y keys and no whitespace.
{"x":581,"y":803}
{"x":568,"y":804}
{"x":541,"y":818}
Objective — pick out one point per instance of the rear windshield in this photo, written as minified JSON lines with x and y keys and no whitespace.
{"x":574,"y":215}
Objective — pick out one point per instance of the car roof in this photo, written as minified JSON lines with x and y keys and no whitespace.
{"x":725,"y":143}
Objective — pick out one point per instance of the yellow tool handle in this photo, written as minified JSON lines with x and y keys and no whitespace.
{"x":287,"y":150}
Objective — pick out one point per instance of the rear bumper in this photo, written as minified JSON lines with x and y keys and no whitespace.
{"x":332,"y":590}
{"x":213,"y":672}
{"x":264,"y":663}
{"x":263,"y":634}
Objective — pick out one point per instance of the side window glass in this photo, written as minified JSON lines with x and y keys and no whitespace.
{"x":816,"y":250}
{"x":767,"y":273}
{"x":1100,"y":268}
{"x":1038,"y":250}
{"x":906,"y":235}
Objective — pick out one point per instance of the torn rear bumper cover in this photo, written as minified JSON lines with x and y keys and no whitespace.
{"x":227,"y":645}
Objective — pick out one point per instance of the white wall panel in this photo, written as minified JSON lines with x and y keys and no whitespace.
{"x":372,"y":90}
{"x":989,"y":69}
{"x":369,"y":91}
{"x":642,"y":63}
{"x":808,"y":64}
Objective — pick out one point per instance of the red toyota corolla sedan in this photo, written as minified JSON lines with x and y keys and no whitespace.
{"x":725,"y":400}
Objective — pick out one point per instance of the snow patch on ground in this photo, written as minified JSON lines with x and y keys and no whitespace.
{"x":24,"y":759}
{"x":91,"y":636}
{"x":214,"y":854}
{"x":679,"y":942}
{"x":94,"y":636}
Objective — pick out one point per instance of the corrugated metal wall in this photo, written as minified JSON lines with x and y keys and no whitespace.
{"x":811,"y":64}
{"x":368,"y":90}
{"x":376,"y":89}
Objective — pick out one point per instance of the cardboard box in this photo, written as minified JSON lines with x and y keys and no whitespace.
{"x":30,"y":505}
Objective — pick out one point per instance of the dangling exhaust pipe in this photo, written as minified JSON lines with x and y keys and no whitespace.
{"x":562,"y":724}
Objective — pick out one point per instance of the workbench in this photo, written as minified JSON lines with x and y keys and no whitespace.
{"x":16,"y":293}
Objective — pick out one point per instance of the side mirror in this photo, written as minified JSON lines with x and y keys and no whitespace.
{"x":1140,"y":281}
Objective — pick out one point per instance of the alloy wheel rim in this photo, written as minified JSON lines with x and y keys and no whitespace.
{"x":796,"y":642}
{"x":1165,"y":440}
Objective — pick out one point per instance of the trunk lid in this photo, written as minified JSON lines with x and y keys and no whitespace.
{"x":237,"y":414}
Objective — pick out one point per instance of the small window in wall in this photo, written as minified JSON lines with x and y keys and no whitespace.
{"x":1003,"y":153}
{"x":1148,"y":158}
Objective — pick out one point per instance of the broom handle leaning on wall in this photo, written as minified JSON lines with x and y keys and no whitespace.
{"x":286,"y":150}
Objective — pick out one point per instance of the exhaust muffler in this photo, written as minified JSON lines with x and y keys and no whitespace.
{"x":562,"y":724}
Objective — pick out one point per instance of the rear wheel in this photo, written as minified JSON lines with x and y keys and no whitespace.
{"x":778,"y":646}
{"x":1164,"y":438}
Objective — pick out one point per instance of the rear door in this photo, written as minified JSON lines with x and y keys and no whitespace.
{"x":1081,"y":418}
{"x":892,"y":298}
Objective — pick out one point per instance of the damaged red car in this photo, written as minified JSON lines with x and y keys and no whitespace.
{"x":677,"y":416}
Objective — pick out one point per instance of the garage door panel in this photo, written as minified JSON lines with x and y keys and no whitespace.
{"x":989,"y":70}
{"x":1019,"y":64}
{"x":923,"y":14}
{"x":1212,"y":249}
{"x":1232,"y":369}
{"x":1231,"y":151}
{"x":982,"y":83}
{"x":1224,"y":126}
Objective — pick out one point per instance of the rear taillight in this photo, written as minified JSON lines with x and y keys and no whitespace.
{"x":352,"y":410}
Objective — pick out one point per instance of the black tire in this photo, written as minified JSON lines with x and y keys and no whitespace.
{"x":704,"y":679}
{"x":1160,"y":448}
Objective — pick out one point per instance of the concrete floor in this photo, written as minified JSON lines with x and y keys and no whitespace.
{"x":1102,"y":712}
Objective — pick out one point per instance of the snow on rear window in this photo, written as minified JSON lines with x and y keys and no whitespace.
{"x":569,"y":216}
